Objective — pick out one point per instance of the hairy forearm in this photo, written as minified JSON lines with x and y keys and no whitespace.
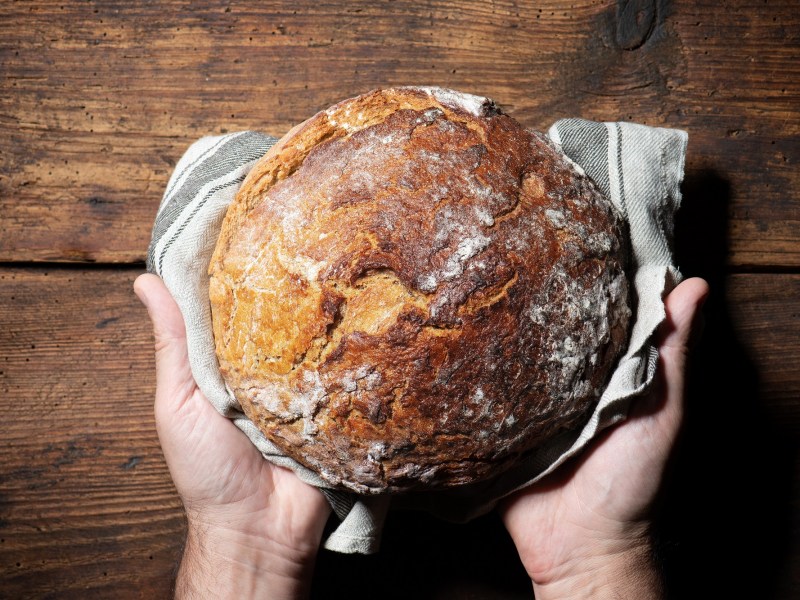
{"x":216,"y":565}
{"x":629,"y":574}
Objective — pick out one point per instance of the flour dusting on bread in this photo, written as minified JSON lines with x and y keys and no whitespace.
{"x":412,"y":290}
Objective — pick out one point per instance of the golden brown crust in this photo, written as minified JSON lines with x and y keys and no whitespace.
{"x":412,"y":290}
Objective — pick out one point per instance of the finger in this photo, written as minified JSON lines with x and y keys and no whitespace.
{"x":173,"y":375}
{"x":683,"y":314}
{"x":164,"y":312}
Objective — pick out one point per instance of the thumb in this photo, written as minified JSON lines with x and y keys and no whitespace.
{"x":172,"y":357}
{"x":673,"y":339}
{"x":683,"y":316}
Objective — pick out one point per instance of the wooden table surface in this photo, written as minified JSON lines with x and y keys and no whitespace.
{"x":99,"y":99}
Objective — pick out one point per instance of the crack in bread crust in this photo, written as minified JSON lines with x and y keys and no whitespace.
{"x":411,"y":290}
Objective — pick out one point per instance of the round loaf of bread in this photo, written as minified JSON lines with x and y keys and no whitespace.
{"x":411,"y":290}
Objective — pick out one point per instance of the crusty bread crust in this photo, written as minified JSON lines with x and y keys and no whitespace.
{"x":411,"y":290}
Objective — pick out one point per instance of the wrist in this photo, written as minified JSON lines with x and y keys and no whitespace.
{"x":618,"y":571}
{"x":220,"y":562}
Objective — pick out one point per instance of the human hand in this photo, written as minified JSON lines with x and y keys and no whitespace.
{"x":253,"y":528}
{"x":583,"y":532}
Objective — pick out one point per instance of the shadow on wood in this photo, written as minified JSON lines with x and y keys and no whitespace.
{"x":425,"y":558}
{"x":725,"y":531}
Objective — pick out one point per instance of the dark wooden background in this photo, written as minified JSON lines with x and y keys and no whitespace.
{"x":99,"y":99}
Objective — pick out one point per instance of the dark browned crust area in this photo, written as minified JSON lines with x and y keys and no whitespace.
{"x":412,"y":290}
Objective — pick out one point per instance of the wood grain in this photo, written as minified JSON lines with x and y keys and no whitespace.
{"x":767,"y":321}
{"x":87,"y":508}
{"x":85,"y":500}
{"x":99,"y":100}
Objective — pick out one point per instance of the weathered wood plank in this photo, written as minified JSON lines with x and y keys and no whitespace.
{"x":87,"y":508}
{"x":97,"y":101}
{"x":767,"y":321}
{"x":85,"y":499}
